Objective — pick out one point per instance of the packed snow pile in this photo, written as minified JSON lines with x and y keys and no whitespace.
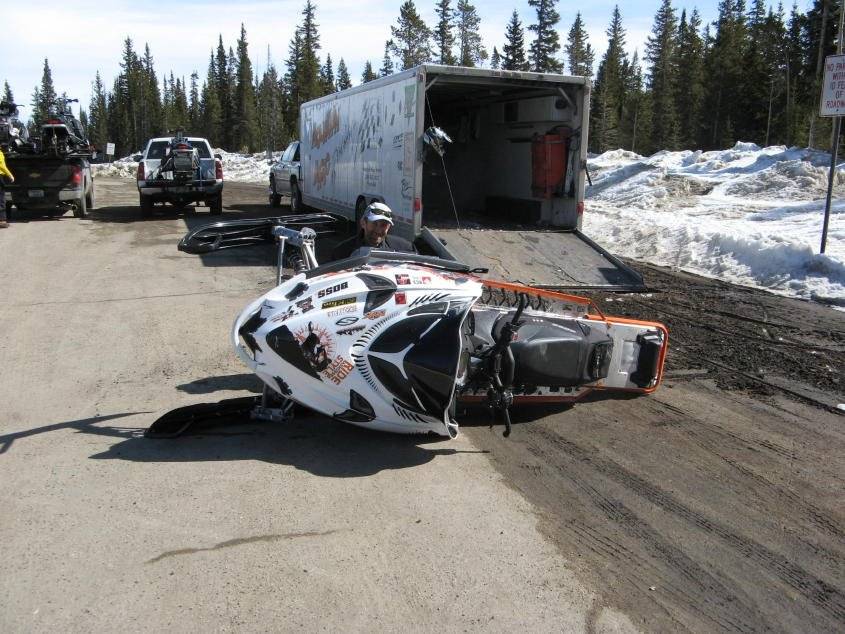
{"x":241,"y":168}
{"x":747,"y":215}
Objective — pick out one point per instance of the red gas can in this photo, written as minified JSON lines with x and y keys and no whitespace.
{"x":548,"y":162}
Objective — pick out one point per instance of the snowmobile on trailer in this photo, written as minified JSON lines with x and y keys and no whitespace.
{"x":395,"y":341}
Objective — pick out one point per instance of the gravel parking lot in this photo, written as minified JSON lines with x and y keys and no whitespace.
{"x":715,"y":504}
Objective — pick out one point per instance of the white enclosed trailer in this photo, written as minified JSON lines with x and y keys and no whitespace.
{"x":518,"y":156}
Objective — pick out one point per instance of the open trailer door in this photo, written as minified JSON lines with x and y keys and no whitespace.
{"x":556,"y":259}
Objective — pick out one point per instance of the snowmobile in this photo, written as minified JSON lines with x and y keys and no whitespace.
{"x":13,"y":132}
{"x":63,"y":134}
{"x":181,"y":162}
{"x":396,"y":341}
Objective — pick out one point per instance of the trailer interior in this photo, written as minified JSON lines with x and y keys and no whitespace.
{"x":514,"y":146}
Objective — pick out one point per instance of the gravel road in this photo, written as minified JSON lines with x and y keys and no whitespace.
{"x":713,"y":505}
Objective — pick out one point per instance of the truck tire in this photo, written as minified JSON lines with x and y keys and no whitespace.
{"x":296,"y":206}
{"x":146,"y":207}
{"x":90,"y":199}
{"x":215,"y":205}
{"x":275,"y":199}
{"x":81,"y":209}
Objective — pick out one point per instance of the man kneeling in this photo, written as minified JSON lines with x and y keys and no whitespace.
{"x":372,"y":232}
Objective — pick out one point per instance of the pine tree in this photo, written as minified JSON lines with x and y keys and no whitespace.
{"x":194,"y":105}
{"x":690,"y":82}
{"x":513,"y":52}
{"x":150,"y":98}
{"x":444,"y":38}
{"x":635,"y":117}
{"x":663,"y":77}
{"x":269,"y":108}
{"x":495,"y":59}
{"x":543,"y":50}
{"x":292,"y":84}
{"x":724,"y":76}
{"x":309,"y":66}
{"x":212,"y":116}
{"x":224,"y":95}
{"x":411,"y":38}
{"x":327,"y":76}
{"x":244,"y":133}
{"x":471,"y":51}
{"x":43,"y":98}
{"x":609,"y":91}
{"x":98,"y":131}
{"x":368,"y":74}
{"x":8,"y":97}
{"x":387,"y":61}
{"x":579,"y":53}
{"x":793,"y":75}
{"x":343,"y":80}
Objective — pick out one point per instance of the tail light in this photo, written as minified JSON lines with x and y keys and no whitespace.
{"x":580,"y":208}
{"x":417,"y":205}
{"x":141,"y":175}
{"x":75,"y":175}
{"x":218,"y":169}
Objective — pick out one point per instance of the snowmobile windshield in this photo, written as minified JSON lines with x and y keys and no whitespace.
{"x":375,"y":257}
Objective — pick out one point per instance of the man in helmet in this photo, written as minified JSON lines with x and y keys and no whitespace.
{"x":374,"y":227}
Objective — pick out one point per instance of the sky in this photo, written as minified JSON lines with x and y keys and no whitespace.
{"x":181,"y":33}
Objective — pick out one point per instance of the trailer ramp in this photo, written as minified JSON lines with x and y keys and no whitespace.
{"x":559,"y":259}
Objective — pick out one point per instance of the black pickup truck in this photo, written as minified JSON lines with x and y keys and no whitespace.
{"x":49,"y":184}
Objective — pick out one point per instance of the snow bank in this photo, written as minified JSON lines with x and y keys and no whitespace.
{"x":747,"y":215}
{"x":241,"y":168}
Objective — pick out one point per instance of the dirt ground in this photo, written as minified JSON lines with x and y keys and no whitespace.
{"x":714,"y":504}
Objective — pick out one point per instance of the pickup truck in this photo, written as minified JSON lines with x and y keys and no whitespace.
{"x":50,"y":184}
{"x":179,"y":170}
{"x":285,"y":179}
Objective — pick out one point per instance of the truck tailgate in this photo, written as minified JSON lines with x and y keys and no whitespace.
{"x":38,"y":172}
{"x":564,"y":260}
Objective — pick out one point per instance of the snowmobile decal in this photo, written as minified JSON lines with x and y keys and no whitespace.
{"x":338,"y":302}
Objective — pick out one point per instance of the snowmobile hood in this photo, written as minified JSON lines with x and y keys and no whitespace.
{"x":374,"y":344}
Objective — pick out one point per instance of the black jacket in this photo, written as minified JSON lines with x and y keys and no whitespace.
{"x":390,"y":243}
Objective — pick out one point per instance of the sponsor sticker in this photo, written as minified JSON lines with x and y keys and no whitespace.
{"x":304,"y":305}
{"x":403,"y":278}
{"x":426,"y":279}
{"x":334,"y":303}
{"x":338,"y":370}
{"x":346,"y":321}
{"x":332,"y":289}
{"x":279,"y":317}
{"x":351,"y":331}
{"x":375,"y":314}
{"x":400,"y":298}
{"x":342,"y":310}
{"x":316,"y":344}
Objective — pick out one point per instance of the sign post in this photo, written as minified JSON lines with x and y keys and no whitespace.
{"x":833,"y":105}
{"x":109,"y":150}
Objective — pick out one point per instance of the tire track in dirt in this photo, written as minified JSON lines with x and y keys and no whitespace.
{"x":828,"y":599}
{"x":711,"y":437}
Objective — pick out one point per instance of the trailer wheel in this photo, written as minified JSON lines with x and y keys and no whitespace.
{"x":295,"y":198}
{"x":146,"y":207}
{"x":275,"y":199}
{"x":81,"y":209}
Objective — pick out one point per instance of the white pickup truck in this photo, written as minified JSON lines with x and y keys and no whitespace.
{"x":285,"y":178}
{"x":179,"y":170}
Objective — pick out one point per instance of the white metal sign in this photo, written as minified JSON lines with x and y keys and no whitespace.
{"x":110,"y":148}
{"x":833,"y":88}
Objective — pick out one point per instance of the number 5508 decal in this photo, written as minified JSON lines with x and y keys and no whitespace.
{"x":332,"y":289}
